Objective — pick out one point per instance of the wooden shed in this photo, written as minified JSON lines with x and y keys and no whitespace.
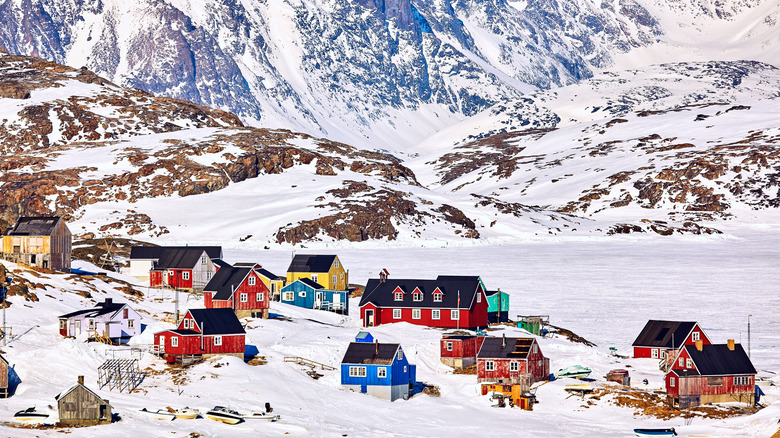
{"x":44,"y":242}
{"x":3,"y":377}
{"x":80,"y":406}
{"x":460,"y":351}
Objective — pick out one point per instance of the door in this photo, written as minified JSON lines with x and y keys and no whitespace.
{"x":107,"y":333}
{"x":337,"y":301}
{"x":369,"y":318}
{"x":317,"y":300}
{"x":78,"y":328}
{"x":161,"y":346}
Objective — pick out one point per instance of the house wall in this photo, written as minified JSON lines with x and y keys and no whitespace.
{"x":3,"y":376}
{"x":80,"y":407}
{"x":140,"y":268}
{"x":534,"y":368}
{"x":191,"y":344}
{"x":396,"y":385}
{"x":325,"y":279}
{"x":243,"y":309}
{"x":61,"y":245}
{"x":202,"y":272}
{"x":464,"y":351}
{"x":118,"y":325}
{"x":698,"y":386}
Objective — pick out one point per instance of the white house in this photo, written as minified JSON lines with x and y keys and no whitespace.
{"x":116,"y":321}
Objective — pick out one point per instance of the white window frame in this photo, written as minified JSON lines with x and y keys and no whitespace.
{"x":288,"y":296}
{"x":63,"y":324}
{"x":130,"y":323}
{"x":174,"y":341}
{"x":357,"y":371}
{"x":449,"y":345}
{"x":217,"y":340}
{"x":185,"y":275}
{"x":695,"y":336}
{"x":672,"y":382}
{"x":416,"y":314}
{"x":398,"y":296}
{"x":314,"y":278}
{"x":437,"y":297}
{"x":335,"y":280}
{"x":514,"y":367}
{"x":252,"y":280}
{"x":455,"y":314}
{"x":479,"y":297}
{"x":260,"y":296}
{"x":302,"y":294}
{"x":490,"y":365}
{"x":185,"y":324}
{"x":400,"y":354}
{"x":396,"y":313}
{"x":681,"y":362}
{"x":688,"y":363}
{"x":337,"y":264}
{"x":654,"y":353}
{"x":381,"y":372}
{"x":208,"y":275}
{"x":91,"y":324}
{"x":535,"y":349}
{"x":435,"y":314}
{"x":244,"y":297}
{"x":203,"y":260}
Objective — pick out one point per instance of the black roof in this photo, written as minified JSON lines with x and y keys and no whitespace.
{"x":180,"y":258}
{"x":515,"y":348}
{"x":718,"y":360}
{"x":370,"y":353}
{"x":268,"y":274}
{"x":107,"y":306}
{"x":311,"y":283}
{"x":660,"y":333}
{"x":219,"y":263}
{"x":156,"y":252}
{"x":311,"y":263}
{"x":226,"y":281}
{"x":218,"y":321}
{"x":458,"y":337}
{"x":381,"y":293}
{"x":33,"y":226}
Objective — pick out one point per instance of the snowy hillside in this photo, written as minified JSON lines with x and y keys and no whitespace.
{"x":375,"y":73}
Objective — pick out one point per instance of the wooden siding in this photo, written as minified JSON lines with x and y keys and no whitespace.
{"x":310,"y":298}
{"x":191,"y":344}
{"x":325,"y":279}
{"x":461,"y":348}
{"x":81,"y":407}
{"x":534,"y":367}
{"x":3,"y":376}
{"x":52,"y":252}
{"x":647,"y":352}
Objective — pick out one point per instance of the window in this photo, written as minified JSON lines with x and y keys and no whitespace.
{"x":302,"y":294}
{"x":417,"y":296}
{"x":695,"y":336}
{"x":381,"y":372}
{"x":435,"y":314}
{"x":251,"y":281}
{"x":742,"y":380}
{"x":437,"y":297}
{"x":688,"y":363}
{"x":514,"y":367}
{"x":203,"y":260}
{"x":479,"y":297}
{"x":357,"y":371}
{"x":680,"y":362}
{"x":454,"y":315}
{"x":654,"y":353}
{"x":217,"y":340}
{"x":335,"y":278}
{"x":260,"y":296}
{"x":449,"y":346}
{"x":400,"y":354}
{"x":672,"y":382}
{"x":185,"y":324}
{"x":489,"y":365}
{"x":341,"y":276}
{"x":185,"y":275}
{"x":396,"y":313}
{"x":288,"y":296}
{"x":244,"y":298}
{"x":337,"y":263}
{"x":535,"y":349}
{"x":273,"y":288}
{"x":714,"y":381}
{"x":314,"y":277}
{"x":174,"y":341}
{"x":208,"y":275}
{"x":63,"y":324}
{"x":130,"y":323}
{"x":91,"y":324}
{"x":404,"y":368}
{"x":125,"y":313}
{"x":415,"y":313}
{"x":399,"y":296}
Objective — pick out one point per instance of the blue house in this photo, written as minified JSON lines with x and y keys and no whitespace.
{"x":381,"y":370}
{"x":308,"y":294}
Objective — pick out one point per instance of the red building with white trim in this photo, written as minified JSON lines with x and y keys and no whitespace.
{"x":511,"y":361}
{"x":662,"y":339}
{"x":202,"y":333}
{"x":460,"y":351}
{"x":240,"y":289}
{"x":446,"y":302}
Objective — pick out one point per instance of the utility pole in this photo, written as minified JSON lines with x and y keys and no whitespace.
{"x":748,"y":333}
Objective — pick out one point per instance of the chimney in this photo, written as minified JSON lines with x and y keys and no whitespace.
{"x":376,"y":347}
{"x":503,"y":342}
{"x":730,"y":343}
{"x":108,"y":301}
{"x":699,"y":345}
{"x":81,"y":380}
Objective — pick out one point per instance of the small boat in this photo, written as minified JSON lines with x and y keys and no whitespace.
{"x":655,"y":432}
{"x":186,"y":413}
{"x":160,"y":414}
{"x":582,"y":387}
{"x":224,"y":415}
{"x":574,"y":371}
{"x":260,"y":415}
{"x":31,"y":415}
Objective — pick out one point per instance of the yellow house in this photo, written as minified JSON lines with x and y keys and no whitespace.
{"x":326,"y":270}
{"x":274,"y":283}
{"x":44,"y":242}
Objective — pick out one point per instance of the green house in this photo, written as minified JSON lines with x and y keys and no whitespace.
{"x":498,"y":306}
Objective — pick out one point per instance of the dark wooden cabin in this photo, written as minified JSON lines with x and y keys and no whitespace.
{"x":79,"y":406}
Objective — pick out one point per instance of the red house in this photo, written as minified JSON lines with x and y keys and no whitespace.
{"x":239,"y":288}
{"x":710,"y":373}
{"x":658,"y":338}
{"x":184,"y":268}
{"x":202,"y":333}
{"x":511,"y":361}
{"x":460,"y":351}
{"x":447,"y":302}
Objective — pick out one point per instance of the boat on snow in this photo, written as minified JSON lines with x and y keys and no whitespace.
{"x":31,"y":415}
{"x":160,"y":414}
{"x":260,"y":415}
{"x":574,"y":371}
{"x":224,"y":415}
{"x":186,"y":413}
{"x":655,"y":432}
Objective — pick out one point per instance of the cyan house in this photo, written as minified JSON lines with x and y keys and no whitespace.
{"x":310,"y":295}
{"x":381,"y":370}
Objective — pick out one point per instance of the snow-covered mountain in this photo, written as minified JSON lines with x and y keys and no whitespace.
{"x":376,"y":73}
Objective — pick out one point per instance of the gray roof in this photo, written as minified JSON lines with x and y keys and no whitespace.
{"x":226,"y":281}
{"x":217,"y":321}
{"x":33,"y":226}
{"x":381,"y":294}
{"x":311,"y":263}
{"x":156,"y":252}
{"x":370,"y":353}
{"x":659,"y":334}
{"x":515,"y":348}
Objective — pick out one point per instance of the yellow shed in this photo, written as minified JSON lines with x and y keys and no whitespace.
{"x":326,"y":270}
